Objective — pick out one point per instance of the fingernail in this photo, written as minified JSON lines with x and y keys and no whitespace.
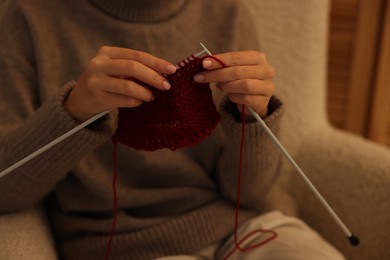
{"x":207,"y":63}
{"x":166,"y":85}
{"x":171,"y":68}
{"x":198,"y":77}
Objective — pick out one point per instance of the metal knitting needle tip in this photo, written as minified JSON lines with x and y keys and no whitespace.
{"x":205,"y":49}
{"x":51,"y":144}
{"x":353,"y":239}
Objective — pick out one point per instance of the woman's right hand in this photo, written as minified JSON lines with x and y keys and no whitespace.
{"x":111,"y":80}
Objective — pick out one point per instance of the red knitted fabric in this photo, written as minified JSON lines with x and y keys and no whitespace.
{"x":180,"y":117}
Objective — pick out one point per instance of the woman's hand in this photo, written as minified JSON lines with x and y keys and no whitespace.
{"x":111,"y":80}
{"x":247,"y":78}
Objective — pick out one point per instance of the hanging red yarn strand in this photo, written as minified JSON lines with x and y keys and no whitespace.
{"x":115,"y":209}
{"x":238,"y":203}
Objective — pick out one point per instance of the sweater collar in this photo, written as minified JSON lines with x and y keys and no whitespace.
{"x":141,"y":10}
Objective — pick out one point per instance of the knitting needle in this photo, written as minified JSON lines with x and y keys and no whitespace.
{"x":199,"y":54}
{"x":353,"y":239}
{"x":52,"y":143}
{"x":63,"y":137}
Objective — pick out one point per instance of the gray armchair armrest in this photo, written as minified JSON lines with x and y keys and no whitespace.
{"x":26,"y":235}
{"x":353,"y":175}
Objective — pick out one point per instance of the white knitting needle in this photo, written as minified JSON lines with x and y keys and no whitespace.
{"x":353,"y":239}
{"x":52,"y":143}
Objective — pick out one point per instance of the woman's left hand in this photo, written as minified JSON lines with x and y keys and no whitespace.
{"x":247,"y":78}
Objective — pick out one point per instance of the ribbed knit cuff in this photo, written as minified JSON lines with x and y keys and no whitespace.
{"x":254,"y":134}
{"x":261,"y":159}
{"x":46,"y":124}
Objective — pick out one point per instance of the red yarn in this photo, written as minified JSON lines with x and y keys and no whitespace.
{"x":108,"y":250}
{"x":238,"y":203}
{"x":180,"y":117}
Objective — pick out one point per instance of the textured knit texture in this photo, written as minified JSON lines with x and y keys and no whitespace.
{"x":181,"y":117}
{"x":169,"y":202}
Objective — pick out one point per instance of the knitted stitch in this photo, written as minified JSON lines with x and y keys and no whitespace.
{"x":180,"y":117}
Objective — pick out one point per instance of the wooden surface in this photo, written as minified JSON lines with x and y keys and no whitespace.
{"x":380,"y":117}
{"x":363,"y":65}
{"x":358,"y":68}
{"x":341,"y":42}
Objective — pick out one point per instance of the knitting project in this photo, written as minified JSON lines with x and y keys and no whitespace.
{"x":180,"y":117}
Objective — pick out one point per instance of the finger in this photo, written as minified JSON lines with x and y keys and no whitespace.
{"x":113,"y":100}
{"x":248,"y":86}
{"x":137,"y":70}
{"x":234,"y":59}
{"x":257,"y":102}
{"x":127,"y":88}
{"x":235,"y":73}
{"x":105,"y":93}
{"x":249,"y":100}
{"x":155,"y":63}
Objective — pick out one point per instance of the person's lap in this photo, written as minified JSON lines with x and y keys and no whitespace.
{"x":295,"y":241}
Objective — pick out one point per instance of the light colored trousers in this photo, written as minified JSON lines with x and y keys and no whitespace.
{"x":295,"y":241}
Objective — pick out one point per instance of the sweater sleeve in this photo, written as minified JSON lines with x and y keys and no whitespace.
{"x":261,"y":160}
{"x":27,"y":123}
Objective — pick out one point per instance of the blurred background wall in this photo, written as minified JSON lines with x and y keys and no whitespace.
{"x":359,"y":68}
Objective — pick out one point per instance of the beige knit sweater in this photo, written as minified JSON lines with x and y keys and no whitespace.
{"x":170,"y":202}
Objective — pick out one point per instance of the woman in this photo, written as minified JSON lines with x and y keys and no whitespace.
{"x":65,"y":61}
